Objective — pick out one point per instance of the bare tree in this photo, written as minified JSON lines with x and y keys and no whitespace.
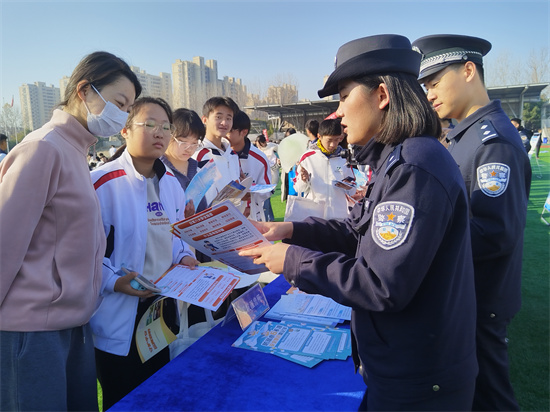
{"x":506,"y":69}
{"x":284,"y":88}
{"x":537,"y":65}
{"x":10,"y":121}
{"x":503,"y":70}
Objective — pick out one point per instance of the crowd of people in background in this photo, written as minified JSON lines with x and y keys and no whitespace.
{"x":405,"y":237}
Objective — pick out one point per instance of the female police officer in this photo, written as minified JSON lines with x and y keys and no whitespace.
{"x":402,"y":261}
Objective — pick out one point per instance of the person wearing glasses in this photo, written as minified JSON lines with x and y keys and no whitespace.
{"x":50,"y":248}
{"x":189,"y":129}
{"x":139,"y":199}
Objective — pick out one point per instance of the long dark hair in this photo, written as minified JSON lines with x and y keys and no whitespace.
{"x":100,"y":69}
{"x":136,"y":107}
{"x":408,"y":114}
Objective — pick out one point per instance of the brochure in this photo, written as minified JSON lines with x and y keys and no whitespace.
{"x":152,"y":333}
{"x":262,"y":188}
{"x":301,"y":343}
{"x":309,"y":308}
{"x":206,"y":287}
{"x":201,"y":182}
{"x":221,"y":232}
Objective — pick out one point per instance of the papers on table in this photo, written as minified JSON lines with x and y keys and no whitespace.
{"x":206,"y":287}
{"x":298,"y":342}
{"x":221,"y":232}
{"x":309,"y":308}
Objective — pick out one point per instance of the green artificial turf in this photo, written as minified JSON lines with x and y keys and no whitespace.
{"x":529,"y":331}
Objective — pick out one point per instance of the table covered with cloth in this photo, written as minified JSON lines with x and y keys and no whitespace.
{"x":214,"y":376}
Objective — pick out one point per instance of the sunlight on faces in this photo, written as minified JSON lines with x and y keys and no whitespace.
{"x":121,"y":93}
{"x":361,"y":111}
{"x":330,"y":143}
{"x":447,"y":90}
{"x":143,"y":143}
{"x":219,"y":122}
{"x":183,"y":147}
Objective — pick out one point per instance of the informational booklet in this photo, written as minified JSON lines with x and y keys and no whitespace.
{"x":233,"y":191}
{"x":346,"y":183}
{"x":206,"y":287}
{"x":201,"y":182}
{"x":309,"y":308}
{"x":301,"y":343}
{"x":221,"y":232}
{"x":152,"y":333}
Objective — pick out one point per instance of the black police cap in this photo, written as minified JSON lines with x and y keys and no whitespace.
{"x":441,"y":50}
{"x":380,"y":54}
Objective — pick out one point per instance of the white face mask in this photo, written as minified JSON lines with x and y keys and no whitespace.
{"x":109,"y":122}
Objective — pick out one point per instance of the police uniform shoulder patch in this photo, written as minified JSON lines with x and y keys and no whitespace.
{"x":493,"y":178}
{"x":486,"y":130}
{"x":391,"y":224}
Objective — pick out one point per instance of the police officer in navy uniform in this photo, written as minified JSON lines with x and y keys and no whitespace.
{"x":403,"y":259}
{"x":497,"y":172}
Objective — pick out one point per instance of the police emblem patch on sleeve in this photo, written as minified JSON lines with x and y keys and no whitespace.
{"x":391,"y":224}
{"x":492,"y":178}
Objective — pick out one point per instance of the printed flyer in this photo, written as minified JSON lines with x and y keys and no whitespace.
{"x":221,"y":232}
{"x":152,"y":333}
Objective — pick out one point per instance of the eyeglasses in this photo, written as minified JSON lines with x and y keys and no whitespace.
{"x":150,"y":125}
{"x":185,"y":145}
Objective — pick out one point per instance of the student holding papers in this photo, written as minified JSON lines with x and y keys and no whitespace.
{"x":402,"y":261}
{"x":254,"y":164}
{"x":217,"y":116}
{"x":140,"y":199}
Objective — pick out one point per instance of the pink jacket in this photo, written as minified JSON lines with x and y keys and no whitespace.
{"x":51,"y":236}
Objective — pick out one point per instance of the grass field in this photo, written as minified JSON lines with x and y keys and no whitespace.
{"x":529,"y":332}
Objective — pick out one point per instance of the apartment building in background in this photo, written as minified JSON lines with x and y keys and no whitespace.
{"x":37,"y":104}
{"x":196,"y":81}
{"x":285,"y":94}
{"x":155,"y":86}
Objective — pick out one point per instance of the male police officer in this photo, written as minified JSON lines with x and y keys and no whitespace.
{"x":497,"y":174}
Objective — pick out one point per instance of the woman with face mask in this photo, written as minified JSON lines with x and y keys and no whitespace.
{"x":52,"y":244}
{"x":140,"y":198}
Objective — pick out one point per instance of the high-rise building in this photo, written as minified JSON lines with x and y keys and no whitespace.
{"x":287,"y":93}
{"x":196,"y":81}
{"x":37,"y":103}
{"x":63,"y":83}
{"x":155,"y":86}
{"x":234,"y":88}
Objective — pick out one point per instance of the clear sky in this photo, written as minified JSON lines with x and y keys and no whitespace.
{"x":258,"y":41}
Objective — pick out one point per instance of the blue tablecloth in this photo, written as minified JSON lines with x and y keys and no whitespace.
{"x":213,"y":376}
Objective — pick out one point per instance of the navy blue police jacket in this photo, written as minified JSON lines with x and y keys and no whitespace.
{"x":403,"y":263}
{"x":497,"y":172}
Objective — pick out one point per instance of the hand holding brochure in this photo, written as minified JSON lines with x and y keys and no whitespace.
{"x":221,"y":232}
